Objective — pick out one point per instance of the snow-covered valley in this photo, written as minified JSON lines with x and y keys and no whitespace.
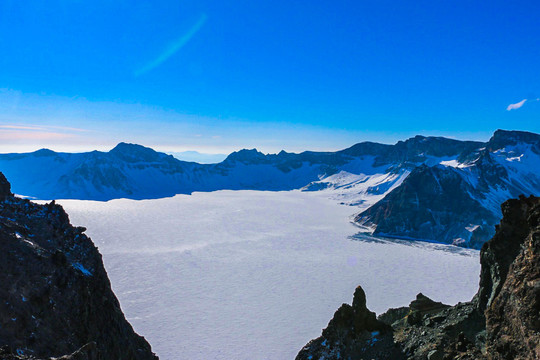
{"x":253,"y":274}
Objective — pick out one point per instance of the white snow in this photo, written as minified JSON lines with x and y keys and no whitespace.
{"x":451,"y":163}
{"x":255,"y":275}
{"x":472,"y":227}
{"x":361,"y":190}
{"x":523,"y":167}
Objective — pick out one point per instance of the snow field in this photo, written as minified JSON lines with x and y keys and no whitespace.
{"x":253,"y":274}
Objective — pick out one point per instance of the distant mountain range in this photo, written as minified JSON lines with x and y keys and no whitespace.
{"x":196,"y":156}
{"x":429,"y":188}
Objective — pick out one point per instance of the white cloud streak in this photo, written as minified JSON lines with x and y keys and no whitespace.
{"x":173,"y":48}
{"x":516,"y":105}
{"x":40,"y":128}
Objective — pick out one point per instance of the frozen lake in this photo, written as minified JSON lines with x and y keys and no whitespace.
{"x":255,"y":275}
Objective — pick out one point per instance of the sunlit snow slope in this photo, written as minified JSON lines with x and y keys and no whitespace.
{"x":254,"y":275}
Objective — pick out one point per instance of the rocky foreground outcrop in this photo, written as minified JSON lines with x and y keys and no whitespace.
{"x":502,"y":321}
{"x":56,"y":299}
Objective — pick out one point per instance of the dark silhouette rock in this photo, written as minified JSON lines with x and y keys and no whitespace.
{"x":56,"y":298}
{"x":5,"y":187}
{"x":352,"y":331}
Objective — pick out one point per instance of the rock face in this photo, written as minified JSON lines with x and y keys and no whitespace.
{"x":502,"y":321}
{"x":354,"y":331}
{"x":55,"y":298}
{"x":5,"y":187}
{"x":432,"y":203}
{"x":513,"y":305}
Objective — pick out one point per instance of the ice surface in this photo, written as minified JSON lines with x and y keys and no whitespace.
{"x":252,"y":274}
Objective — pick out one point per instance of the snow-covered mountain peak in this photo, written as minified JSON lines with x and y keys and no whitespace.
{"x":247,"y":156}
{"x":137,"y":153}
{"x":366,"y":148}
{"x":505,"y":138}
{"x":44,"y":152}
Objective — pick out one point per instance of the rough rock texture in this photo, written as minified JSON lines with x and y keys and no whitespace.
{"x":84,"y":353}
{"x":418,"y":148}
{"x":502,"y":321}
{"x":431,"y":203}
{"x":55,"y":297}
{"x":438,"y":331}
{"x":513,"y":315}
{"x":353,"y":331}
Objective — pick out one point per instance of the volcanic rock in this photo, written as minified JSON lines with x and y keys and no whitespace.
{"x":56,"y":298}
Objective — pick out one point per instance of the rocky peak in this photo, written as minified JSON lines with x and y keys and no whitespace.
{"x":425,"y":304}
{"x":436,"y":146}
{"x":351,"y":330}
{"x":363,"y":318}
{"x":366,"y":148}
{"x":246,"y":156}
{"x":5,"y":187}
{"x":418,"y":149}
{"x":44,"y":152}
{"x":503,"y":138}
{"x":133,"y":153}
{"x":358,"y":316}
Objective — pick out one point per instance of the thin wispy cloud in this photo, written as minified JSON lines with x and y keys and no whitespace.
{"x":21,"y":127}
{"x":516,"y":105}
{"x":36,"y":134}
{"x":41,"y":128}
{"x":174,"y":47}
{"x":11,"y":135}
{"x":520,"y":104}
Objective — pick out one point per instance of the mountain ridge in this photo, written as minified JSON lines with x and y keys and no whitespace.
{"x":362,"y":176}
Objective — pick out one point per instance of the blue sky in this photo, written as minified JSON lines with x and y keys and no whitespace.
{"x":216,"y":76}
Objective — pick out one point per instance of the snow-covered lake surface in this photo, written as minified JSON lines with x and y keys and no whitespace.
{"x":255,"y":275}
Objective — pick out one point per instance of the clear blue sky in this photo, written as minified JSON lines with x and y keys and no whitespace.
{"x":216,"y":76}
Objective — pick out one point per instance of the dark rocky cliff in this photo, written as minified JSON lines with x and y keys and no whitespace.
{"x":502,"y":321}
{"x":56,"y":298}
{"x":431,"y":203}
